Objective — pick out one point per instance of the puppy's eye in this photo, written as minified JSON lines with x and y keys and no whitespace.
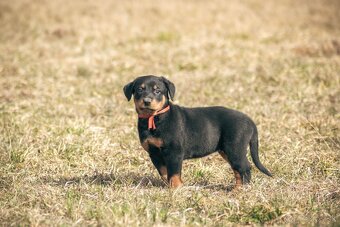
{"x":140,"y":89}
{"x":157,"y":92}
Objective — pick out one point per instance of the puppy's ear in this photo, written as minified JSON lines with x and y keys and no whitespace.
{"x":128,"y":90}
{"x":170,"y":86}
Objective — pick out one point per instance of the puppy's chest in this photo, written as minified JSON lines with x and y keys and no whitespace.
{"x":150,"y":142}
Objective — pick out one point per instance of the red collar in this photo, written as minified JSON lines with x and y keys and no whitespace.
{"x":151,"y":117}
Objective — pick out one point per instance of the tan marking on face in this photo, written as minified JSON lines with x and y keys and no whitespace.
{"x":175,"y":181}
{"x":153,"y":141}
{"x":138,"y":104}
{"x":238,"y":178}
{"x":142,"y":86}
{"x":224,"y":156}
{"x":154,"y":106}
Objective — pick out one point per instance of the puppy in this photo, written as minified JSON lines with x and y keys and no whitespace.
{"x":171,"y":133}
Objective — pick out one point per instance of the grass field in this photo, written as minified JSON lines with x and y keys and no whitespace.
{"x":69,"y":149}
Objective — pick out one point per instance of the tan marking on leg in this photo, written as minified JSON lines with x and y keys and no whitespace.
{"x":224,"y":156}
{"x":238,"y":178}
{"x":236,"y":173}
{"x":164,"y":173}
{"x":175,"y":181}
{"x":145,"y":145}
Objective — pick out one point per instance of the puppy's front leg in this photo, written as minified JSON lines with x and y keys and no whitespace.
{"x":174,"y":167}
{"x":159,"y":163}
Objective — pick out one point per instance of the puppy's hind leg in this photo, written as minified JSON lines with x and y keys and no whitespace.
{"x":236,"y":155}
{"x":237,"y":175}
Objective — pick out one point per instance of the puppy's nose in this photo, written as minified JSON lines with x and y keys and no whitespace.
{"x":147,"y":101}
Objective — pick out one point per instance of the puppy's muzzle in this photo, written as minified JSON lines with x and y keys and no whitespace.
{"x":147,"y":101}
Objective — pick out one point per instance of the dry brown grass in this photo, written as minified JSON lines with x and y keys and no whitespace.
{"x":69,"y":153}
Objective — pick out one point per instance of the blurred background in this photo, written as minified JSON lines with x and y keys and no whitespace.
{"x":69,"y":151}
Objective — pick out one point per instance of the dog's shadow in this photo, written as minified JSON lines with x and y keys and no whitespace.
{"x":209,"y":186}
{"x":109,"y":179}
{"x":128,"y":179}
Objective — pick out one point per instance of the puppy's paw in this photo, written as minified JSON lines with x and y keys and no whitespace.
{"x":175,"y":181}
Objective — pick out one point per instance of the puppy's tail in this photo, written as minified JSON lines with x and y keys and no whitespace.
{"x":254,"y":152}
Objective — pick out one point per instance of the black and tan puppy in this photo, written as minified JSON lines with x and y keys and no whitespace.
{"x":171,"y":133}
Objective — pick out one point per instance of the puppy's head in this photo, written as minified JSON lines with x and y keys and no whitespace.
{"x":151,"y":93}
